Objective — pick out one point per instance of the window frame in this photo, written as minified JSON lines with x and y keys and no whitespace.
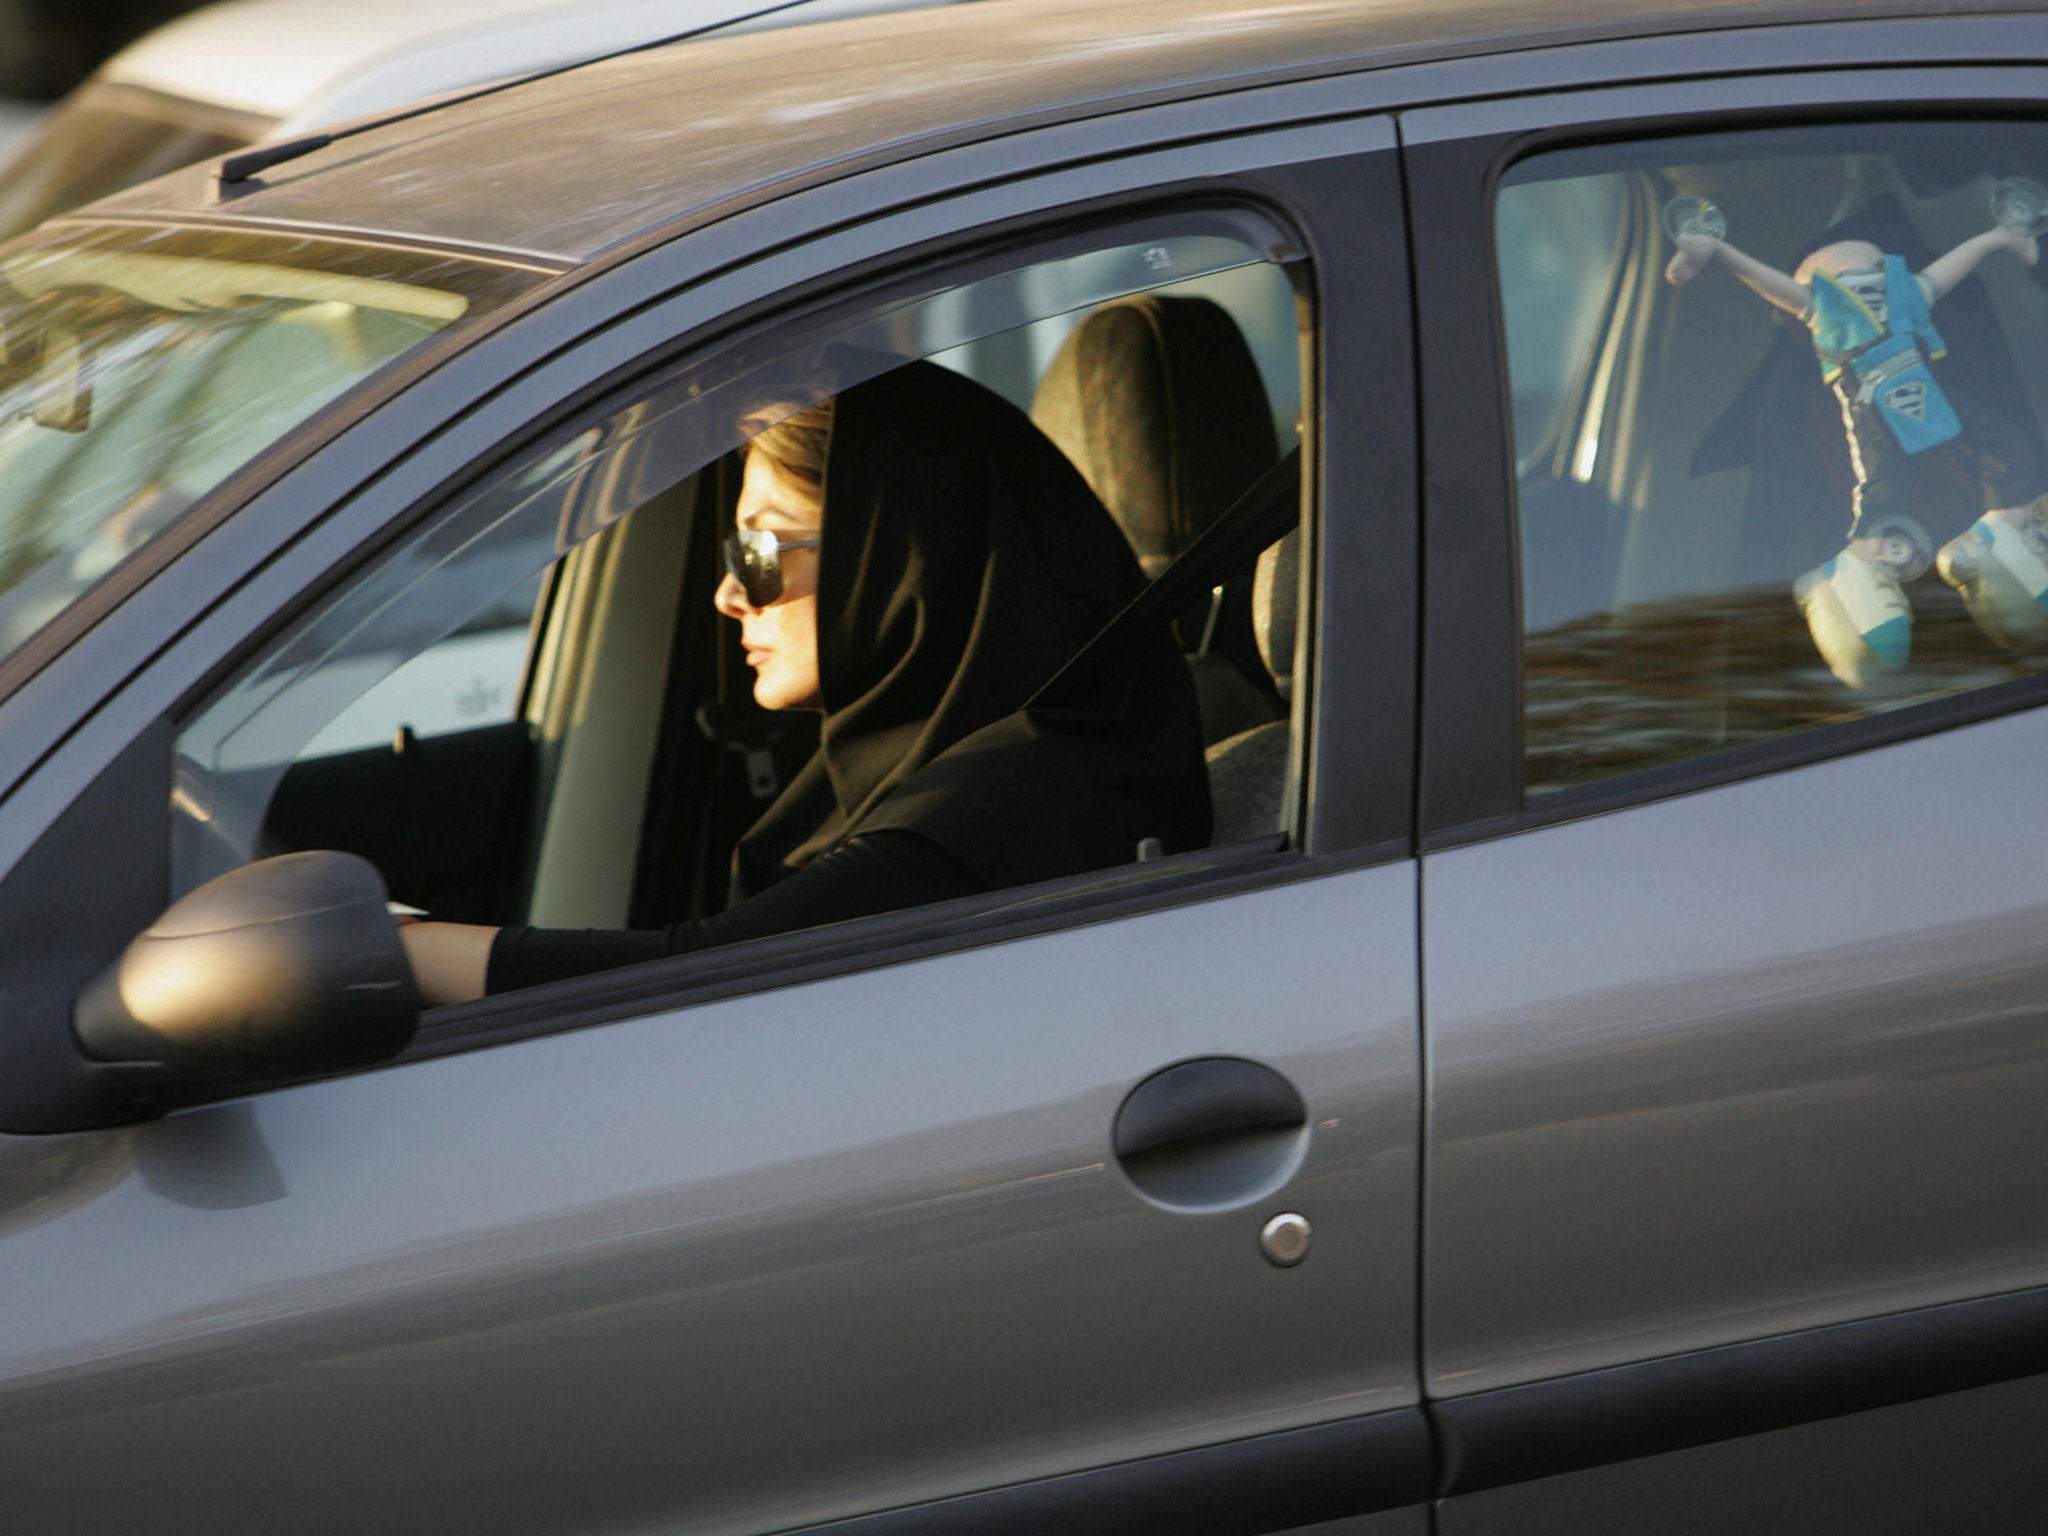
{"x":1355,"y":782}
{"x":1456,"y":156}
{"x":996,"y":916}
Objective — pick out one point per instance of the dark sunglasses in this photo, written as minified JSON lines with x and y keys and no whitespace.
{"x":753,"y":557}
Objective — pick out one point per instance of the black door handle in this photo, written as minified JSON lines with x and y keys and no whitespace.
{"x":1214,"y":1096}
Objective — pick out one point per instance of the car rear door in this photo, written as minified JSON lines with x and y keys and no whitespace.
{"x":1733,"y":981}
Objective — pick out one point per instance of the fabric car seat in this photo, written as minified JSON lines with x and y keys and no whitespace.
{"x":1157,"y":401}
{"x":1248,"y":771}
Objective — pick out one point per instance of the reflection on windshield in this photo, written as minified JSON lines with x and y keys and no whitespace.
{"x":141,"y":368}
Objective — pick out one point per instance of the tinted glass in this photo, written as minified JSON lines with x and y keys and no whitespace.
{"x":1778,"y":406}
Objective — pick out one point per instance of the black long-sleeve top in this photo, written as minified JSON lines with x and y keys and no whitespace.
{"x":879,"y":871}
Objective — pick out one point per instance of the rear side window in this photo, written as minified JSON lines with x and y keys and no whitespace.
{"x":1778,"y":410}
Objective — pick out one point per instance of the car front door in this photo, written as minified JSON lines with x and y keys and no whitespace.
{"x":970,"y":1218}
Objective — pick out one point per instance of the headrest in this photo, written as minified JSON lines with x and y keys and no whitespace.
{"x":1158,"y":403}
{"x":1276,"y":600}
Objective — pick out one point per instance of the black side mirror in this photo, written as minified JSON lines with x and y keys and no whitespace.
{"x":280,"y":968}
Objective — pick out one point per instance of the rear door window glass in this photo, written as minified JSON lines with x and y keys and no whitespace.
{"x":1778,"y":429}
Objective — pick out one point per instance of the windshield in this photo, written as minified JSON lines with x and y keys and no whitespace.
{"x":139,"y":368}
{"x":104,"y":137}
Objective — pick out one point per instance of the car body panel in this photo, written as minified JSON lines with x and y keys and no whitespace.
{"x":754,"y":1223}
{"x":346,"y":1271}
{"x":1962,"y":1461}
{"x":1816,"y":1022}
{"x":214,"y":81}
{"x":736,"y":119}
{"x":1731,"y":1065}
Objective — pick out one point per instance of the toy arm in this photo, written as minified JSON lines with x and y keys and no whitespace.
{"x":1775,"y":287}
{"x":1946,"y":270}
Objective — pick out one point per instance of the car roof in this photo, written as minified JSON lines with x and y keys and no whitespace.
{"x":568,"y":167}
{"x":306,"y":63}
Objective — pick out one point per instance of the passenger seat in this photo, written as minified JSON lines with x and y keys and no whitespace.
{"x":1248,"y":772}
{"x":1157,"y":401}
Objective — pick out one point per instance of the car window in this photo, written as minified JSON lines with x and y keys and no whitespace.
{"x":139,"y":369}
{"x":472,"y":677}
{"x":624,"y":767}
{"x":1778,"y":432}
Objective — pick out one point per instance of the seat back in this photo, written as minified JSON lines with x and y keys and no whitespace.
{"x":1248,"y":771}
{"x":1157,"y":401}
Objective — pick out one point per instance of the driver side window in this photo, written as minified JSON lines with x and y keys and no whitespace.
{"x":539,"y":710}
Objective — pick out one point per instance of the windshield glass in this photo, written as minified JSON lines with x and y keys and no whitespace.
{"x":104,"y":137}
{"x":139,"y":368}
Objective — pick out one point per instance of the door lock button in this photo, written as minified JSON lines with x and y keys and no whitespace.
{"x":1284,"y":1239}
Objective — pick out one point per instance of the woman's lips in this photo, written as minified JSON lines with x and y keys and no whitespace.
{"x":756,"y":655}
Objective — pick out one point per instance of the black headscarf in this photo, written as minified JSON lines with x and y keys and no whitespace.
{"x":964,"y":562}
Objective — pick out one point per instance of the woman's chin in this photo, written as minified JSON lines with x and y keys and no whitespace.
{"x":775,"y":693}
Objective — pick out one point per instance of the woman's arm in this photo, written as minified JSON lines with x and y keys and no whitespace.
{"x":448,"y":959}
{"x":874,"y":872}
{"x":1945,"y":271}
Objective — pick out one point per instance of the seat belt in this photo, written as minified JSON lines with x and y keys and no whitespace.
{"x":1265,"y":512}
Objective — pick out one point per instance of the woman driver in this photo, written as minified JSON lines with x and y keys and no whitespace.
{"x":915,"y":560}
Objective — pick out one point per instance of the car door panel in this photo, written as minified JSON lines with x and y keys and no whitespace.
{"x":1766,"y":1072}
{"x":1733,"y":1065}
{"x":787,"y":1257}
{"x":779,"y":1249}
{"x":1966,"y":1461}
{"x":1816,"y":1013}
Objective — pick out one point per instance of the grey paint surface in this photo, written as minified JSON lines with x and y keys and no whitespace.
{"x":1737,"y":1064}
{"x":699,"y":1264}
{"x":1966,"y":1462}
{"x":594,"y":1272}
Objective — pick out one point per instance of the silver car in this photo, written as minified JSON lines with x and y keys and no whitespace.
{"x":1592,"y":1080}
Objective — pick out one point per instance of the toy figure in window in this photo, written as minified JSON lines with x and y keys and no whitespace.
{"x":1940,"y":475}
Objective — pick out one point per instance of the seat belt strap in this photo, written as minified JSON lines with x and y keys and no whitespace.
{"x":1265,"y":512}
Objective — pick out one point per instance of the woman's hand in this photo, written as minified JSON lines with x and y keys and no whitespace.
{"x":449,"y":960}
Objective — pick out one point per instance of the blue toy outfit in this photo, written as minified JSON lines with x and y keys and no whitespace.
{"x":1919,"y":452}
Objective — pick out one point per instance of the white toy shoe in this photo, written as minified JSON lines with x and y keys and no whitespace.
{"x":1858,"y":615}
{"x":2002,"y":572}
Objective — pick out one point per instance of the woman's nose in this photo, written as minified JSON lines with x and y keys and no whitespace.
{"x":731,"y":598}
